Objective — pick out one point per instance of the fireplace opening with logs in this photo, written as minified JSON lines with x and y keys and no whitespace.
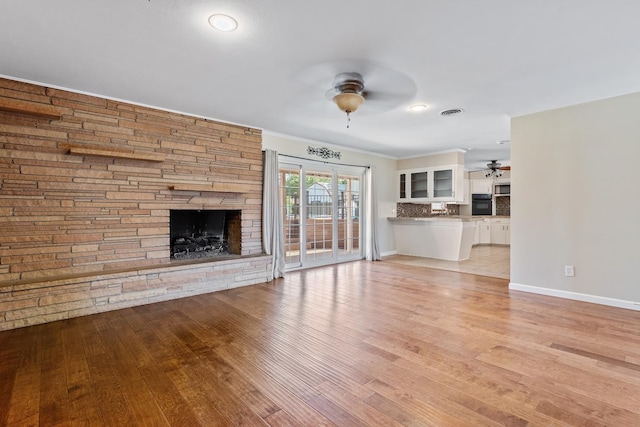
{"x":197,"y":234}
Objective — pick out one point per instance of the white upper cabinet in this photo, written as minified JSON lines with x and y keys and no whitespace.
{"x":481,"y":186}
{"x":438,"y":184}
{"x":419,"y":185}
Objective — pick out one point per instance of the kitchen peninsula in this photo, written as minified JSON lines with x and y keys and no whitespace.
{"x":442,"y":237}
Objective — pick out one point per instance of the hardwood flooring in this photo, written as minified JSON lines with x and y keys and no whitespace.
{"x":356,"y":344}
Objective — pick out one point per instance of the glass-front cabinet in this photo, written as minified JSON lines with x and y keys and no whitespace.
{"x":419,"y":185}
{"x":443,"y":184}
{"x":440,"y":184}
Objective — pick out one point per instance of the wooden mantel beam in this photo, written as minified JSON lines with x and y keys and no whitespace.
{"x":30,"y":108}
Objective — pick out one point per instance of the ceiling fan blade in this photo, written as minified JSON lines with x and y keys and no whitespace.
{"x":380,"y":96}
{"x":323,"y":74}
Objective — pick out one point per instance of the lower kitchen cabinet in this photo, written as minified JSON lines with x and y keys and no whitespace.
{"x":482,"y":235}
{"x":500,"y":231}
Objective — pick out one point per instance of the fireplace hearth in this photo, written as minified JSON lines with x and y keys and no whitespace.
{"x":197,"y":234}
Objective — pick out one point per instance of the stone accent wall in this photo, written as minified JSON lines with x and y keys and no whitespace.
{"x":67,"y":219}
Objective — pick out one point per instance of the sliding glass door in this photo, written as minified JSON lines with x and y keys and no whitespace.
{"x":321,"y":213}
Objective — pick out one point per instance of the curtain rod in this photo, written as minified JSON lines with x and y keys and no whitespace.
{"x":321,"y":161}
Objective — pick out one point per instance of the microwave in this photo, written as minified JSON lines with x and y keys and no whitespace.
{"x":502,"y":189}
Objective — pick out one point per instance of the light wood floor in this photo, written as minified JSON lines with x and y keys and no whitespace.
{"x":355,"y":344}
{"x":485,"y":260}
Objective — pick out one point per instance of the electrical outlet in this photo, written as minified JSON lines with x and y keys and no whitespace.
{"x":569,"y":271}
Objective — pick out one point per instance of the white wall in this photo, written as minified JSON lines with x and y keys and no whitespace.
{"x":575,"y":201}
{"x":384,"y":170}
{"x":442,"y":159}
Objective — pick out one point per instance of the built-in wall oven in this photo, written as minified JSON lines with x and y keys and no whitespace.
{"x":481,"y":204}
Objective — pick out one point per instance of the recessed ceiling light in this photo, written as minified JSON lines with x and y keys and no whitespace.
{"x":223,"y":22}
{"x":417,"y":108}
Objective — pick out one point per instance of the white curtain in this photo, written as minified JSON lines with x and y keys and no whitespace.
{"x":272,"y":227}
{"x":372,"y":249}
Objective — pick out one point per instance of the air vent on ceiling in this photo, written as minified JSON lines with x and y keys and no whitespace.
{"x":451,"y":112}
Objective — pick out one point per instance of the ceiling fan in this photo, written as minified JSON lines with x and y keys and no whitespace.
{"x":359,"y":84}
{"x":495,"y":169}
{"x":348,"y":92}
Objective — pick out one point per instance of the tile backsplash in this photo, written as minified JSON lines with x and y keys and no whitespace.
{"x":503,"y":205}
{"x":418,"y":210}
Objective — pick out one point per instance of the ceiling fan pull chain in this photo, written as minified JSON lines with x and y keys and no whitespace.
{"x":348,"y":119}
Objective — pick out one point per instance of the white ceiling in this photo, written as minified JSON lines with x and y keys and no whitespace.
{"x":494,"y":58}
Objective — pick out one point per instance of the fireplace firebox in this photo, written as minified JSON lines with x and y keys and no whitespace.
{"x":199,"y":234}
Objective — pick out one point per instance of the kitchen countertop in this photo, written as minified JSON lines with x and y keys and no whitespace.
{"x":430,"y":218}
{"x":488,"y":216}
{"x":463,"y":218}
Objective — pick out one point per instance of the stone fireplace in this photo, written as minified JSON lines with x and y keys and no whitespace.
{"x":198,"y":234}
{"x":87,"y":190}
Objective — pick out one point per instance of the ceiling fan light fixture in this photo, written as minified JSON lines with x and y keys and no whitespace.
{"x":348,"y":102}
{"x":222,"y":22}
{"x":493,"y":170}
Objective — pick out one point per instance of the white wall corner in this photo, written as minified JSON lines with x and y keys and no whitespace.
{"x":389,"y":253}
{"x":594,"y":299}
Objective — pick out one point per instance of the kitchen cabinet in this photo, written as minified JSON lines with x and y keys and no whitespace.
{"x":443,"y":183}
{"x":481,"y":186}
{"x":432,"y":184}
{"x":466,"y":193}
{"x":482,"y":235}
{"x":500,"y":231}
{"x":419,"y":185}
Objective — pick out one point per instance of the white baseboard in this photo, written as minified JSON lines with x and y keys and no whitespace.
{"x":595,"y":299}
{"x":388,"y":253}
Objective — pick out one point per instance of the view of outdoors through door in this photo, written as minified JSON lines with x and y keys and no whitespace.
{"x":290,"y":196}
{"x":321,"y":214}
{"x":348,"y":215}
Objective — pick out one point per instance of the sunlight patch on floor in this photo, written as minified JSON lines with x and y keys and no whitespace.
{"x":485,"y":260}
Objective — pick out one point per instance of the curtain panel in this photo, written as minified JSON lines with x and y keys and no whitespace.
{"x":272,"y":226}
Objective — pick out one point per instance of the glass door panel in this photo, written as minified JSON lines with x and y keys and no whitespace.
{"x":319,"y":218}
{"x":290,"y":196}
{"x":348,"y":215}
